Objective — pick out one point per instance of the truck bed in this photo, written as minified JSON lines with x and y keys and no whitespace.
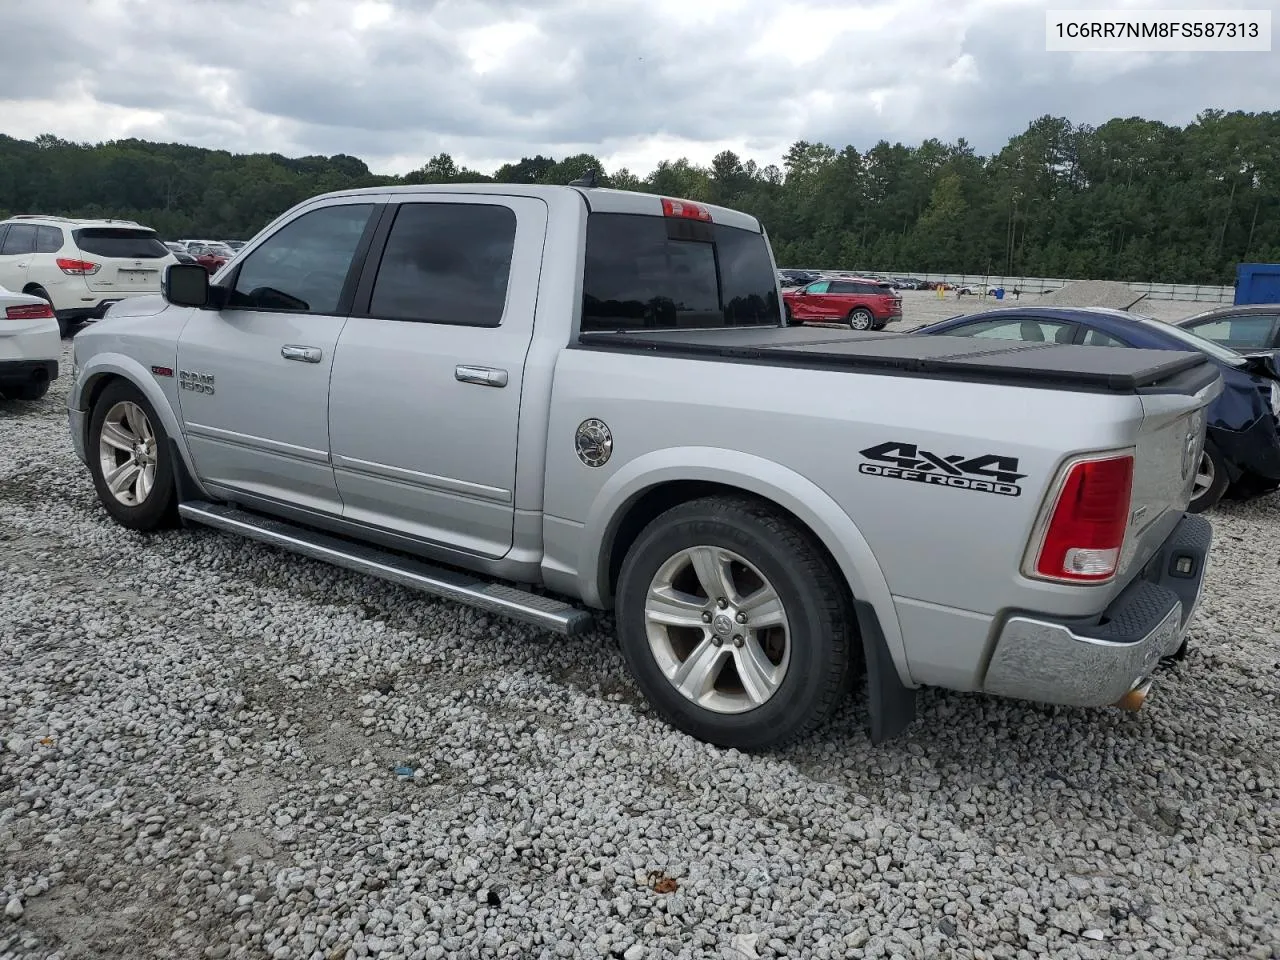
{"x":1048,"y":365}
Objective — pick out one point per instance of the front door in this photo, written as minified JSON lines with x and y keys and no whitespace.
{"x":16,"y":248}
{"x":425,"y":398}
{"x":254,"y":376}
{"x":807,"y":304}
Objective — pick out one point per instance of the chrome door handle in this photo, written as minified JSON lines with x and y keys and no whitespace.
{"x":291,"y":351}
{"x":485,"y":376}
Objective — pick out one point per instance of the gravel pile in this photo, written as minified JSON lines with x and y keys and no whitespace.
{"x":1091,"y":293}
{"x":209,"y":749}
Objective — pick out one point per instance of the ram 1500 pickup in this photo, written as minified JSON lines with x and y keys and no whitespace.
{"x":550,"y":401}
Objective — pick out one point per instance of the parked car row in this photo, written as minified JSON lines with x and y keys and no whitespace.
{"x":80,"y":267}
{"x":210,"y":254}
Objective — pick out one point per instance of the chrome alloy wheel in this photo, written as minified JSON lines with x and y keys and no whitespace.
{"x":1205,"y":475}
{"x":127,"y":453}
{"x":717,"y":629}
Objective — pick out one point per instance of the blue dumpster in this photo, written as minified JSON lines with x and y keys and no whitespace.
{"x":999,"y":293}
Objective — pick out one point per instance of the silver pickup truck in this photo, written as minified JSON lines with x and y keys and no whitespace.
{"x":553,"y":401}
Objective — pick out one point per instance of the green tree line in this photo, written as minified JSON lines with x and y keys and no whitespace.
{"x":1131,"y":199}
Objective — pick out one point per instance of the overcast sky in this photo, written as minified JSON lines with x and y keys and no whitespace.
{"x":632,"y":81}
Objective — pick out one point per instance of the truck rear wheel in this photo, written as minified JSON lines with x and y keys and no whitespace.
{"x":734,"y":623}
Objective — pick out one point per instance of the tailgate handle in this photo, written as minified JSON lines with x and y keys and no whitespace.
{"x":485,"y":376}
{"x":291,"y":351}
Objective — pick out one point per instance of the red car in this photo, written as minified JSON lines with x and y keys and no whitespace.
{"x":862,"y":304}
{"x":211,"y":256}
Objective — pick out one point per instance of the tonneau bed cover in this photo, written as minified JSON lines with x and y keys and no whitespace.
{"x":1048,"y":365}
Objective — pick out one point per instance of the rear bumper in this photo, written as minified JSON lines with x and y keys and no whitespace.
{"x":21,"y":372}
{"x":1095,"y":662}
{"x":1255,"y":450}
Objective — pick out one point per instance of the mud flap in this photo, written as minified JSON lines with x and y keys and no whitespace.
{"x":891,"y":706}
{"x":184,"y":486}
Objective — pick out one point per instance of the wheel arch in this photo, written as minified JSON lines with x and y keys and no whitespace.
{"x":103,"y":369}
{"x":649,"y":485}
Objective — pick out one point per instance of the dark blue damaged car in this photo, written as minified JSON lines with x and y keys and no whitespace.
{"x":1242,"y":448}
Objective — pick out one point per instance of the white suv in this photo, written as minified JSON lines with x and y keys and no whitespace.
{"x":80,"y":266}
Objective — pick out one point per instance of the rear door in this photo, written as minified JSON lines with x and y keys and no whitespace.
{"x":130,"y":259}
{"x":254,"y":376}
{"x":425,"y":398}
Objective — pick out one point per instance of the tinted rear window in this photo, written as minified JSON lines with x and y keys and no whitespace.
{"x":645,"y":272}
{"x":119,"y":242}
{"x":446,"y":263}
{"x":48,"y":239}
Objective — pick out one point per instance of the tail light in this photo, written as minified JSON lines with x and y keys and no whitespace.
{"x":683,"y":208}
{"x":29,"y":311}
{"x":1086,"y":528}
{"x":78,"y":268}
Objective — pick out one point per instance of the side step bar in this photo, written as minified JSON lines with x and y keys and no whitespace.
{"x":544,"y":612}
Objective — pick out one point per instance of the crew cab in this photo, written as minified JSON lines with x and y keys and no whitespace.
{"x":554,"y":401}
{"x":863,"y":304}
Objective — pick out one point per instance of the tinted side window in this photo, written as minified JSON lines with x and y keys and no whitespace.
{"x":1027,"y":331}
{"x":48,"y":239}
{"x":20,"y":239}
{"x":303,"y":266}
{"x":659,"y":272}
{"x":822,"y":286}
{"x":1244,"y":332}
{"x":446,"y":263}
{"x":1096,"y":338}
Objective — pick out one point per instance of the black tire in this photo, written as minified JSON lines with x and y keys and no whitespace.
{"x":156,"y":510}
{"x":820,"y":634}
{"x":1216,"y":467}
{"x":31,"y":392}
{"x":1251,"y":485}
{"x":860,"y":319}
{"x":790,"y":318}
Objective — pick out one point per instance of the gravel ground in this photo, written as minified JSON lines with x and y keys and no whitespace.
{"x":199,"y":738}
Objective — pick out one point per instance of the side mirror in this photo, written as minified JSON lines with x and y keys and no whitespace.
{"x":186,"y":285}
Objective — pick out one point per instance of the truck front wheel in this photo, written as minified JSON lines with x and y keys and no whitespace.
{"x":734,"y":623}
{"x":130,"y":459}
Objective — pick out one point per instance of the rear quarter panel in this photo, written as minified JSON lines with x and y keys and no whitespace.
{"x":944,"y":557}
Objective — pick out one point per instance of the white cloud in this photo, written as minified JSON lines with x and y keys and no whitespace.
{"x":632,"y":81}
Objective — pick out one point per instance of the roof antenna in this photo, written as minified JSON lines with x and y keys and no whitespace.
{"x":589,"y":180}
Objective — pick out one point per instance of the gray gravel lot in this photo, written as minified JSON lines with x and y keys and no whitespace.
{"x":199,"y":736}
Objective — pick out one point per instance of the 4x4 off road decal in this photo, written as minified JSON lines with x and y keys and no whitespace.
{"x":987,"y":473}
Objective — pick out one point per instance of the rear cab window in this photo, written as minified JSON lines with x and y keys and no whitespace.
{"x":665,"y":273}
{"x":126,"y":244}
